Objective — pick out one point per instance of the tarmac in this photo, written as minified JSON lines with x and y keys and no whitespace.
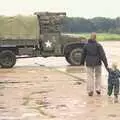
{"x":51,"y":89}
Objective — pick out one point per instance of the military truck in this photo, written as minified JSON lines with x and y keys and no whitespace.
{"x":49,"y":42}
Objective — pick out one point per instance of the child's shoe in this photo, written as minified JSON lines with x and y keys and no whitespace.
{"x":116,"y":99}
{"x":110,"y":100}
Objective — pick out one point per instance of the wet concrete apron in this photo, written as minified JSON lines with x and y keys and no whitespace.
{"x":50,"y":89}
{"x":33,"y":93}
{"x":41,"y":93}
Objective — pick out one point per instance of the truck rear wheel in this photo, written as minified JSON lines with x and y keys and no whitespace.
{"x":7,"y":59}
{"x":74,"y":56}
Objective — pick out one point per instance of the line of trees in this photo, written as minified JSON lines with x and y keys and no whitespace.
{"x":26,"y":25}
{"x":98,"y":24}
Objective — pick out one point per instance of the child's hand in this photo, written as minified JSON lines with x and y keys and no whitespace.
{"x":108,"y":69}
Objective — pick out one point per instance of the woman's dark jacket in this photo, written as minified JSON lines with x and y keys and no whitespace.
{"x":93,"y":54}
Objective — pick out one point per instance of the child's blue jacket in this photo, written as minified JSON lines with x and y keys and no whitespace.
{"x":113,"y":76}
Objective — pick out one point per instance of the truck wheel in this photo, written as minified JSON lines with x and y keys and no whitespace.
{"x":7,"y":59}
{"x":74,"y":56}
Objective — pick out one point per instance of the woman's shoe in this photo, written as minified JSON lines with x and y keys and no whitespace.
{"x":98,"y":92}
{"x":116,"y":99}
{"x":90,"y":93}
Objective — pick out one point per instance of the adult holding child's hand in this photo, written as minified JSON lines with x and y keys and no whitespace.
{"x":93,"y":54}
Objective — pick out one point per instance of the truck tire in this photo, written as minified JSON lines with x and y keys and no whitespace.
{"x":74,"y":56}
{"x":7,"y":59}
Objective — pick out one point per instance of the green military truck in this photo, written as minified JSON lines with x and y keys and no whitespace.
{"x":50,"y":42}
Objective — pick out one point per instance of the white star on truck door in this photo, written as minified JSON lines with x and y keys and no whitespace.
{"x":48,"y":44}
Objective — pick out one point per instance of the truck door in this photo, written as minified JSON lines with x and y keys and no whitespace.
{"x":50,"y":41}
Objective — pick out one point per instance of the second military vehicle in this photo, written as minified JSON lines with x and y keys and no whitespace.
{"x":50,"y":42}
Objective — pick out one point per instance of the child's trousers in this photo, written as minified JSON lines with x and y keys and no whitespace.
{"x":113,"y":85}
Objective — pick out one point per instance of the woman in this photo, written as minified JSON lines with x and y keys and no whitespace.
{"x":93,"y":55}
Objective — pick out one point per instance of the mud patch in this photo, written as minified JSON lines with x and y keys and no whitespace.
{"x":28,"y":98}
{"x":40,"y":92}
{"x":43,"y":112}
{"x":112,"y":115}
{"x":1,"y":94}
{"x":78,"y":83}
{"x":1,"y":108}
{"x":12,"y":82}
{"x":62,"y":106}
{"x":38,"y":101}
{"x":42,"y":103}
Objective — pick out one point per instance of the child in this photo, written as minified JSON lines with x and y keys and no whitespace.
{"x":113,"y":81}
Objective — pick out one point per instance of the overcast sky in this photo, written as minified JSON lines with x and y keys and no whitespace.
{"x":76,"y":8}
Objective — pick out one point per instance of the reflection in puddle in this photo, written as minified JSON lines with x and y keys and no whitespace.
{"x":73,"y":69}
{"x":76,"y":72}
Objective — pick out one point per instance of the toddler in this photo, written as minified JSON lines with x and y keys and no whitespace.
{"x":113,"y":81}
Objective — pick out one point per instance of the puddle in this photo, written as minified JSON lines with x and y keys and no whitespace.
{"x":78,"y":69}
{"x":77,"y":73}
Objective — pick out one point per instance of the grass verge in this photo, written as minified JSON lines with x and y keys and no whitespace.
{"x":100,"y":36}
